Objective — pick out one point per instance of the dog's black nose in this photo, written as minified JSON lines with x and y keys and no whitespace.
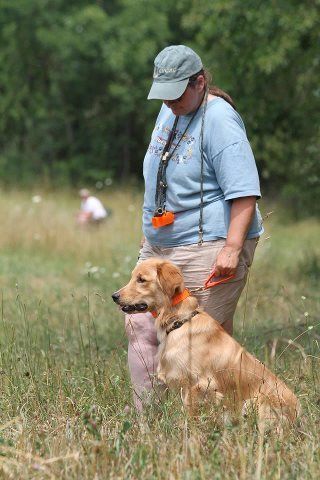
{"x":115,"y":297}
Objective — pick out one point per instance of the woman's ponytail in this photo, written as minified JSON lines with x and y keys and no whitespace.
{"x":213,"y":89}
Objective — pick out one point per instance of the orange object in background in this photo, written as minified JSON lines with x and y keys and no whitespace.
{"x":165,"y":219}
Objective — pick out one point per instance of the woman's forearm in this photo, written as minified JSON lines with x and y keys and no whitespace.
{"x":242,"y":212}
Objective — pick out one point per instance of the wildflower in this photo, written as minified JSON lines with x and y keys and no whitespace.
{"x":38,"y":466}
{"x":303,"y":297}
{"x":306,"y":314}
{"x":36,"y":199}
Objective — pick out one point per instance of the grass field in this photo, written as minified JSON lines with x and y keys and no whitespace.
{"x":64,"y":383}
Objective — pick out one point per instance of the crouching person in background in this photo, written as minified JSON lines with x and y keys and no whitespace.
{"x":91,"y":210}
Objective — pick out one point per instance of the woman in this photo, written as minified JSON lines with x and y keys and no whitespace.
{"x":201,"y":188}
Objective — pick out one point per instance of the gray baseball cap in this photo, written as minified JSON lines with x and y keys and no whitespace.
{"x":173,"y":67}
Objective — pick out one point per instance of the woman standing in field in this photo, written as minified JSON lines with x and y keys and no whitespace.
{"x":201,"y":188}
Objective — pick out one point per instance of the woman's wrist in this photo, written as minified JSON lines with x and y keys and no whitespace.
{"x":233,"y":248}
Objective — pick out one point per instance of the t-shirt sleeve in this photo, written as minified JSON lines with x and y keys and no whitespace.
{"x":236,"y":171}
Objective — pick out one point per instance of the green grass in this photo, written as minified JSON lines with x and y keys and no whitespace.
{"x":64,"y":383}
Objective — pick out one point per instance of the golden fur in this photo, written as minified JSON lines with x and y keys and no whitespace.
{"x":200,"y":358}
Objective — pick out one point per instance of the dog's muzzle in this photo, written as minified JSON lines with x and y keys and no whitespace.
{"x":116,"y":297}
{"x":137,"y":307}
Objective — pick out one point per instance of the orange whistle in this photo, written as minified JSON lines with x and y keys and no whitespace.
{"x":165,"y":219}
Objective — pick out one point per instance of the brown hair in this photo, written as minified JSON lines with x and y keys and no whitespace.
{"x":212,"y":89}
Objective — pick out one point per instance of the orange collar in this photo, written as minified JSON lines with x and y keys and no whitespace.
{"x":180,"y":297}
{"x":175,"y":300}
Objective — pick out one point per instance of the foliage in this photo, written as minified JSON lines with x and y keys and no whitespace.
{"x":74,"y":77}
{"x":266,"y":54}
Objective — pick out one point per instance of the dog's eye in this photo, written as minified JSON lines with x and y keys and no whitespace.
{"x":141,"y":279}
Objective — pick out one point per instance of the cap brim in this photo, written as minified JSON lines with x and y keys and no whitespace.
{"x":167,"y":90}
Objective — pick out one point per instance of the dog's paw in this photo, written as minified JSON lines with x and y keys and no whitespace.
{"x":161,"y":377}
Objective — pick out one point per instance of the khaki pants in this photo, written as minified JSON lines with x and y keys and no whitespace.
{"x":196,"y":262}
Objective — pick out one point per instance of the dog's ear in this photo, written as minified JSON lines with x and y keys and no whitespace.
{"x":170,"y":279}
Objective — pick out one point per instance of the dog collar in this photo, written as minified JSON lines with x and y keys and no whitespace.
{"x":180,"y":297}
{"x":178,"y":323}
{"x":175,"y":300}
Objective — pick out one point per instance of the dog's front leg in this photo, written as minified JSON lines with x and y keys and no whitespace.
{"x":161,"y":373}
{"x":194,"y":395}
{"x":191,"y":398}
{"x":161,"y":377}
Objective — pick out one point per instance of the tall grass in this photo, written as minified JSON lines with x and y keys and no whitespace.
{"x":65,"y":404}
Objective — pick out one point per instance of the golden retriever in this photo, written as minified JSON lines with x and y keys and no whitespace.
{"x":196,"y":355}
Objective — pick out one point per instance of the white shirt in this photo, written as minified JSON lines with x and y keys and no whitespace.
{"x":94,"y":206}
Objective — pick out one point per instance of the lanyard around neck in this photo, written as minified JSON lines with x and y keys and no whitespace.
{"x":160,"y":197}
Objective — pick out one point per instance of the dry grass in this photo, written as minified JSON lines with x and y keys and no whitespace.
{"x":64,"y":384}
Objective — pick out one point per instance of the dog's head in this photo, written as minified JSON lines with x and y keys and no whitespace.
{"x":153,"y":284}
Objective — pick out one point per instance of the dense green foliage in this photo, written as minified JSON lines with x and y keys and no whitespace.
{"x":74,"y":77}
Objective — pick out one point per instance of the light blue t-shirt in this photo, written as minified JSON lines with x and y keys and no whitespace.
{"x":229,"y":172}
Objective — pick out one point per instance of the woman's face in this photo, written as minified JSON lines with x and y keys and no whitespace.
{"x":189,"y":100}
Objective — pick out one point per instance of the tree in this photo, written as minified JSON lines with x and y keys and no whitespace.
{"x":266,"y":55}
{"x":74,"y":77}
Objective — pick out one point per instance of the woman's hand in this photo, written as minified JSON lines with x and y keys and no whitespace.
{"x":227,"y":261}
